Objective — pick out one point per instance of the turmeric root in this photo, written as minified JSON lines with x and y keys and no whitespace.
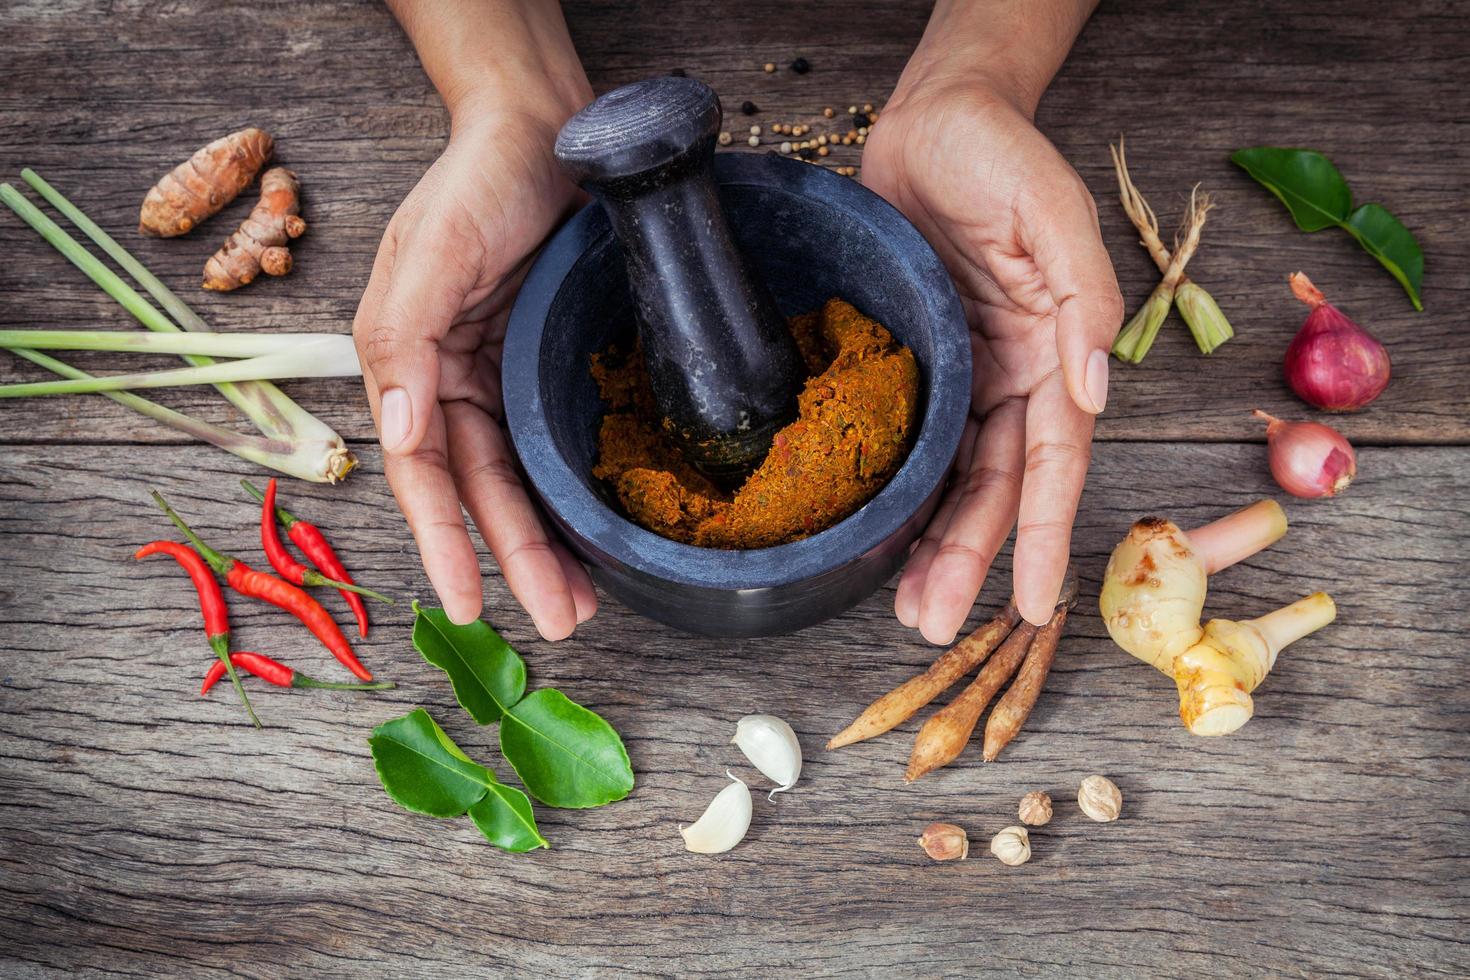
{"x":204,"y":183}
{"x":944,"y":736}
{"x":259,"y":244}
{"x":1014,"y":707}
{"x":900,"y":704}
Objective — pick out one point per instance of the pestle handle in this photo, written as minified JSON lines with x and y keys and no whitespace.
{"x":724,"y":369}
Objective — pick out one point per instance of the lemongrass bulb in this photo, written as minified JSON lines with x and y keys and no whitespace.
{"x":724,"y":822}
{"x":771,"y":746}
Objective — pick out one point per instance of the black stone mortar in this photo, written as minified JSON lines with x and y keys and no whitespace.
{"x":809,"y":235}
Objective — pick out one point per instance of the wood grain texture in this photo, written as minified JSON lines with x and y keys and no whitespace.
{"x":1386,"y":96}
{"x":145,"y":830}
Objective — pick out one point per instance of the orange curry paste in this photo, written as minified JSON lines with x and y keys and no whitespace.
{"x":855,"y":417}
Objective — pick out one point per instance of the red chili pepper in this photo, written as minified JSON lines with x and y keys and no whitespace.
{"x":314,"y":545}
{"x":277,"y":673}
{"x":278,"y":592}
{"x":211,"y":604}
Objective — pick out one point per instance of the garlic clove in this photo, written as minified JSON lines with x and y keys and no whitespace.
{"x":724,"y":822}
{"x":771,"y":746}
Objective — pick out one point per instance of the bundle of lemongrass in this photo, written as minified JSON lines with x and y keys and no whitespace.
{"x":1198,"y":308}
{"x":291,"y":439}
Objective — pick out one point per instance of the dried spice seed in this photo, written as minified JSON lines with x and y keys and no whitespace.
{"x":754,"y":141}
{"x":749,"y":108}
{"x":726,"y":139}
{"x":801,"y":66}
{"x":769,"y":67}
{"x":828,"y":112}
{"x":678,"y":73}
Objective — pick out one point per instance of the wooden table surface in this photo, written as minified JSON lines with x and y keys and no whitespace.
{"x":145,"y":830}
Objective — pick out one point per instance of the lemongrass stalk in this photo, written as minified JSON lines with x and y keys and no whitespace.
{"x":211,"y":344}
{"x":1206,"y":321}
{"x":268,"y":407}
{"x":275,"y":414}
{"x":1138,"y":334}
{"x":1202,"y":315}
{"x":311,"y":361}
{"x":278,"y":454}
{"x":1135,"y":339}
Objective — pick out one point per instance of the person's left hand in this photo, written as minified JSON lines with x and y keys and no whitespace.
{"x":1018,"y":231}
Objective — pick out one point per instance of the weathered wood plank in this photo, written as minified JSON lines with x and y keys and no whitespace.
{"x":87,"y":102}
{"x":144,"y":829}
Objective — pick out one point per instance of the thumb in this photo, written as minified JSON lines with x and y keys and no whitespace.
{"x":403,"y":313}
{"x":1075,"y":265}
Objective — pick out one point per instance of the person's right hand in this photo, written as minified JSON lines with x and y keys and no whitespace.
{"x":429,"y":331}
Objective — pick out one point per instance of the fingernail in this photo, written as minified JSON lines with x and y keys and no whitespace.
{"x":397,"y":415}
{"x":1097,"y":379}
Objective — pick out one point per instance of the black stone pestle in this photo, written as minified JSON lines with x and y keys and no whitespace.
{"x":724,"y":368}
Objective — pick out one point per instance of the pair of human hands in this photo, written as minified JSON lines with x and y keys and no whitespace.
{"x":1012,"y":221}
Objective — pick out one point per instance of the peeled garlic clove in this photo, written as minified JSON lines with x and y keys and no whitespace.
{"x":724,"y":822}
{"x":771,"y":746}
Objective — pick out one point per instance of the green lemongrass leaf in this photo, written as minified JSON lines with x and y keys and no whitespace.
{"x":266,"y":405}
{"x":565,"y":754}
{"x":319,"y":359}
{"x":1386,"y":239}
{"x":1318,"y":197}
{"x":423,"y":770}
{"x":1304,"y":180}
{"x":145,"y":312}
{"x":212,"y":344}
{"x":487,"y":675}
{"x":293,"y":460}
{"x":504,"y":816}
{"x":275,"y":414}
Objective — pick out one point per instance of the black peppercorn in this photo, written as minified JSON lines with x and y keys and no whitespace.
{"x":860,"y":119}
{"x":801,"y":66}
{"x":678,"y":73}
{"x":749,"y":108}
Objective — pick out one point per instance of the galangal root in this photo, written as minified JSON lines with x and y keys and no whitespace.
{"x":259,"y":244}
{"x":204,"y":183}
{"x":1153,"y":595}
{"x":944,"y":736}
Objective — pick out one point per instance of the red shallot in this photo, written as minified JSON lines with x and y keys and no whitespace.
{"x":1308,"y":459}
{"x":1332,"y":363}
